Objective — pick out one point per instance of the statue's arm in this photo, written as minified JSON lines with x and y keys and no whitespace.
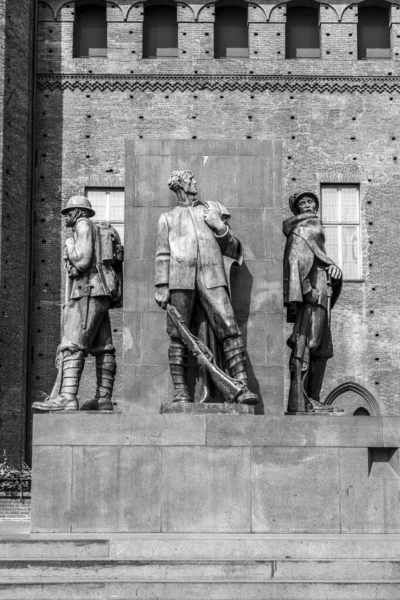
{"x":216,"y":216}
{"x":163,"y":253}
{"x":80,"y":251}
{"x":229,"y":244}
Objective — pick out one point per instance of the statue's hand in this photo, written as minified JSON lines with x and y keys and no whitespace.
{"x":311,"y":297}
{"x":213,"y":220}
{"x":69,"y":246}
{"x":334,"y":272}
{"x":162,"y":296}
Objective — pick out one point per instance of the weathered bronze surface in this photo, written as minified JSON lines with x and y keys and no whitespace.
{"x":312,"y":284}
{"x":193,"y":240}
{"x":93,"y":260}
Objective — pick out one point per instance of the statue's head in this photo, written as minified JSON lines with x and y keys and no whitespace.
{"x":183,"y":180}
{"x":304,"y":202}
{"x":77,"y":207}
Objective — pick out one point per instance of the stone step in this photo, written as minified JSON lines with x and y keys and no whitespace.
{"x":199,"y":590}
{"x":205,"y":570}
{"x":202,"y":546}
{"x":257,"y":547}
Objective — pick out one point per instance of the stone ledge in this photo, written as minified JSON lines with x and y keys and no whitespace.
{"x":128,"y":429}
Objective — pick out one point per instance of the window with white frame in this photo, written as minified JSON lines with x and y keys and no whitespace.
{"x":340,"y":214}
{"x":108,"y":203}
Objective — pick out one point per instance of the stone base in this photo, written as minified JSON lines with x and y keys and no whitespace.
{"x":207,"y":473}
{"x":212,"y":567}
{"x":209,"y":408}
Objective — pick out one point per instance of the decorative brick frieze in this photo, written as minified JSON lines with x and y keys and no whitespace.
{"x":242,"y":83}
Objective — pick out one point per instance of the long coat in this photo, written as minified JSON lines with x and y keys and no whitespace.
{"x":305,"y":262}
{"x":186,"y":243}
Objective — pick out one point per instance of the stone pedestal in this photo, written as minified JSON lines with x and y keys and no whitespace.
{"x":193,"y":473}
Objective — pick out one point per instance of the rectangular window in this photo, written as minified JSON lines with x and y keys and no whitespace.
{"x":109,"y":204}
{"x":340,"y":214}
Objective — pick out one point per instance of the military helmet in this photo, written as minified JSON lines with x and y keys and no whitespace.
{"x":293,"y":200}
{"x":78,"y":202}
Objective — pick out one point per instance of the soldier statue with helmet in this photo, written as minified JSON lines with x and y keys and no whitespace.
{"x":93,"y":261}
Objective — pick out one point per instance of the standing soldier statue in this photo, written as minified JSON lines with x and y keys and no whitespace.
{"x":192,"y":241}
{"x":93,"y":260}
{"x":312,"y":284}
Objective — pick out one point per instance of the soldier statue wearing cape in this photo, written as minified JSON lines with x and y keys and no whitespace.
{"x":312,"y":284}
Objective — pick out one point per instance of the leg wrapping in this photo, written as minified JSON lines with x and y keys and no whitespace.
{"x":72,"y":368}
{"x":235,"y":357}
{"x":177,"y":364}
{"x":106,"y":367}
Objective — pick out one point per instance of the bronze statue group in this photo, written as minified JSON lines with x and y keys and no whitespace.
{"x":195,"y":251}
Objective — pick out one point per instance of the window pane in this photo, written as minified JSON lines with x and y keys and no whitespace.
{"x":331,"y":242}
{"x":349,"y":204}
{"x":98,"y":201}
{"x":330,"y":204}
{"x":117,"y":201}
{"x":350,"y":252}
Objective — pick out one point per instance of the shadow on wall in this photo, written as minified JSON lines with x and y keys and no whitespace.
{"x":241,"y":291}
{"x":49,"y":230}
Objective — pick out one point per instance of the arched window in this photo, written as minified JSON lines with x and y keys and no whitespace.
{"x":90,"y":29}
{"x":354,"y":399}
{"x":160,"y":30}
{"x":231,"y":37}
{"x":302,"y":31}
{"x":373,"y":31}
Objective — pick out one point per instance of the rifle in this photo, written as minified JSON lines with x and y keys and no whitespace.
{"x":230,"y":388}
{"x":59,"y":355}
{"x":299,"y":361}
{"x":329,"y":298}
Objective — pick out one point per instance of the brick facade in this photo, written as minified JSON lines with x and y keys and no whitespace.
{"x":15,"y":509}
{"x":16,"y":72}
{"x":337,"y":117}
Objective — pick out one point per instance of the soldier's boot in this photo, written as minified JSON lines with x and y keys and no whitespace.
{"x":72,"y":367}
{"x":315,"y":379}
{"x":106,"y":367}
{"x":236,"y":361}
{"x":177,"y":363}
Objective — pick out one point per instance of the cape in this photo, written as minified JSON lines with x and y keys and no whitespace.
{"x":305,"y":243}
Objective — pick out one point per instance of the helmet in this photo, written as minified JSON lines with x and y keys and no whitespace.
{"x":293,"y":200}
{"x":78,"y":202}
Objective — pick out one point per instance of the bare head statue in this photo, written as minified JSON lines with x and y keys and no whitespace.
{"x":183,"y":180}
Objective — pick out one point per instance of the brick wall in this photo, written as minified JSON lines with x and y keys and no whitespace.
{"x":81,"y":132}
{"x":16,"y":20}
{"x":12,"y":509}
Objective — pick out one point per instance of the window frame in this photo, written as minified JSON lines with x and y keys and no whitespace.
{"x":107,"y":218}
{"x":76,"y":42}
{"x":149,"y":26}
{"x":288,"y":49}
{"x":341,"y":224}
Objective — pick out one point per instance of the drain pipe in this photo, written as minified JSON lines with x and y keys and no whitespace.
{"x":26,"y":440}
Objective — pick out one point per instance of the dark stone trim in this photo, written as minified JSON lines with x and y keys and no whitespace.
{"x":220,"y":83}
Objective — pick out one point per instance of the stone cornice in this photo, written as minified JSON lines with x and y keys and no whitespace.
{"x":221,"y":83}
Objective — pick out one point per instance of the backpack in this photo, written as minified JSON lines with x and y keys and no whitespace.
{"x":110,"y":253}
